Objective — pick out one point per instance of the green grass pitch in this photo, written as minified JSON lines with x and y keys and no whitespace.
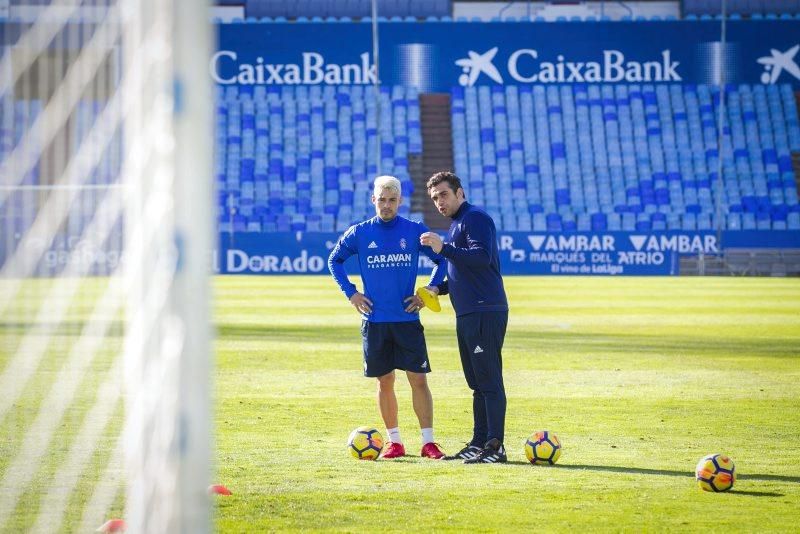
{"x":639,"y":378}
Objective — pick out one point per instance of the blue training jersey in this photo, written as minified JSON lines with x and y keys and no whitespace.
{"x":388,"y":255}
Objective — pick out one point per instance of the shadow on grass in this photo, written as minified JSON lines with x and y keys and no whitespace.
{"x":667,"y":472}
{"x":777,"y":478}
{"x":633,"y":343}
{"x":650,"y":343}
{"x":63,"y":328}
{"x":630,"y":470}
{"x":756,"y":493}
{"x":658,"y":472}
{"x":287,"y":333}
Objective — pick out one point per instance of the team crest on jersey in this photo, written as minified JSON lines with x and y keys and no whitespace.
{"x":403,"y":243}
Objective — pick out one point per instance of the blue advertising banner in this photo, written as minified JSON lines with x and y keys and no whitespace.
{"x":437,"y":56}
{"x":79,"y":253}
{"x":610,"y":253}
{"x":583,"y":253}
{"x":276,"y":253}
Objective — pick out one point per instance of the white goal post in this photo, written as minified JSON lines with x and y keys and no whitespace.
{"x":106,"y":232}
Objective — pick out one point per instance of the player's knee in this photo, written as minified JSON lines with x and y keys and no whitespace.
{"x":386,"y":382}
{"x":417,"y":380}
{"x":495,"y":395}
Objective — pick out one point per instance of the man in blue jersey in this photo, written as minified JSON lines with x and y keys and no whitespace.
{"x":479,"y":300}
{"x":388,"y":248}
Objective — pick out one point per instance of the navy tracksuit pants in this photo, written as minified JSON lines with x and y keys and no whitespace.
{"x":480,"y":343}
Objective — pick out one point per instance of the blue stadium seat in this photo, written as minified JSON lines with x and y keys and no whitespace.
{"x":320,"y":170}
{"x":643,"y":150}
{"x":571,"y":158}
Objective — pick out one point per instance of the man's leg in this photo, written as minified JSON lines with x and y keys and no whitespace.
{"x":421,"y":398}
{"x":466,"y":327}
{"x":378,"y":363}
{"x":411,"y":354}
{"x":423,"y":406}
{"x":387,"y":404}
{"x":387,"y":400}
{"x":488,"y":367}
{"x":472,"y":449}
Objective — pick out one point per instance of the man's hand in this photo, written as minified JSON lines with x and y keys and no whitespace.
{"x":433,"y":289}
{"x":413,"y":304}
{"x":431,"y":239}
{"x":361,"y":303}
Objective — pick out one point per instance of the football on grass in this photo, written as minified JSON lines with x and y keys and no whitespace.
{"x":715,"y":472}
{"x":543,"y":448}
{"x":365,"y":443}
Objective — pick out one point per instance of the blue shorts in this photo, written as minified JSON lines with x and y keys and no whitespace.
{"x":390,"y":346}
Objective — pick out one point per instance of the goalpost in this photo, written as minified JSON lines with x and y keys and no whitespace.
{"x":106,"y":228}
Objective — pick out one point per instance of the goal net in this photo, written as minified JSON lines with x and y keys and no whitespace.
{"x":105,"y":246}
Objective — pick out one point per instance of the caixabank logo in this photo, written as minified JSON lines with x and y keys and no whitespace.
{"x":313,"y":68}
{"x":528,"y":65}
{"x":777,"y":62}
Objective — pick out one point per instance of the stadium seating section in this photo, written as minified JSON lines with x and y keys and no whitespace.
{"x":20,"y":207}
{"x":346,"y":8}
{"x":533,"y":19}
{"x":16,"y":117}
{"x":628,"y":157}
{"x":568,"y":158}
{"x":406,"y":10}
{"x":748,"y":8}
{"x":442,"y":10}
{"x":555,"y":158}
{"x":302,"y":159}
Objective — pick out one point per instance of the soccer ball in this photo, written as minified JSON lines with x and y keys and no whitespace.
{"x":715,"y":472}
{"x":365,"y":443}
{"x":543,"y":447}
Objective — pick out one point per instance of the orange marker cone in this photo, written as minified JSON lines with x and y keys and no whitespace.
{"x":218,"y":489}
{"x":112,"y":525}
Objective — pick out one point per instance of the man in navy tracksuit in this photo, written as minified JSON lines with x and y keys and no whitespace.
{"x":388,"y":248}
{"x":479,"y":300}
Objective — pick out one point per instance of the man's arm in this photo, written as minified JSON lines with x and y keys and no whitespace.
{"x":443,"y":288}
{"x":440,"y":264}
{"x":439,"y":269}
{"x":478,"y":250}
{"x":345,"y":247}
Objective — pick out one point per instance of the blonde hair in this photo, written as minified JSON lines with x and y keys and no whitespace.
{"x":386,"y":182}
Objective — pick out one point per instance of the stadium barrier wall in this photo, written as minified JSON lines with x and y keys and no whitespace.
{"x":436,"y":56}
{"x":583,"y":253}
{"x":534,"y":253}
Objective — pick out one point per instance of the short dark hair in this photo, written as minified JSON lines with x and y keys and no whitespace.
{"x":445,"y":176}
